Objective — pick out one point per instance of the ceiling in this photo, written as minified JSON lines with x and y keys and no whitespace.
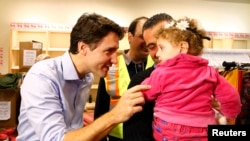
{"x":234,"y":1}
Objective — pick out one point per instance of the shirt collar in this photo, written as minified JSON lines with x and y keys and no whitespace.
{"x":127,"y":59}
{"x":69,"y":71}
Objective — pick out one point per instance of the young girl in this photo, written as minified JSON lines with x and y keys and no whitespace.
{"x":183,"y":85}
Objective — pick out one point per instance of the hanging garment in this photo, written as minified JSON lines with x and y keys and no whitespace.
{"x":244,"y":116}
{"x":10,"y":80}
{"x":234,"y":77}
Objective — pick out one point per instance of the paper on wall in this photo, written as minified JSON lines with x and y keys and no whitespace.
{"x":5,"y":108}
{"x":29,"y":57}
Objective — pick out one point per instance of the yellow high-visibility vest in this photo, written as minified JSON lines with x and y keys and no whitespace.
{"x":117,"y":81}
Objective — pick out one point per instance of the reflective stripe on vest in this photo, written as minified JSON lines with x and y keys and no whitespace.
{"x":117,"y":81}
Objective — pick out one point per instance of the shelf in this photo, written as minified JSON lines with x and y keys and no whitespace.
{"x":94,"y":86}
{"x":15,"y":67}
{"x":54,"y":43}
{"x":15,"y":48}
{"x":57,"y":49}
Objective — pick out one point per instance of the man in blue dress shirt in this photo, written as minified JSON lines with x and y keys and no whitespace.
{"x":55,"y":90}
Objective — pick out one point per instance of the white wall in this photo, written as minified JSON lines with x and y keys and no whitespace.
{"x":214,"y":16}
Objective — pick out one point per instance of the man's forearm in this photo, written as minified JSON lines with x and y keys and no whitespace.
{"x":130,"y":103}
{"x":94,"y":131}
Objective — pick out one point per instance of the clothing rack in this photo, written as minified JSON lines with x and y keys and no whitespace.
{"x":231,"y":65}
{"x":216,"y":57}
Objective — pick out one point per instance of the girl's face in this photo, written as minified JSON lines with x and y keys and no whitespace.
{"x":166,"y":50}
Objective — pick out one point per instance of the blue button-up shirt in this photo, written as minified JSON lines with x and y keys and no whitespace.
{"x":53,"y":100}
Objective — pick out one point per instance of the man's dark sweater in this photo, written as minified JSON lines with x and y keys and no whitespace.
{"x":139,"y":126}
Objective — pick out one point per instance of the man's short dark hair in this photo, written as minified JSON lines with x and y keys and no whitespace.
{"x":155,"y":19}
{"x":133,"y":24}
{"x":91,"y":28}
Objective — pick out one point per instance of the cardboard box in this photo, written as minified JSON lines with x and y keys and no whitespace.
{"x":9,"y":107}
{"x":28,"y":53}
